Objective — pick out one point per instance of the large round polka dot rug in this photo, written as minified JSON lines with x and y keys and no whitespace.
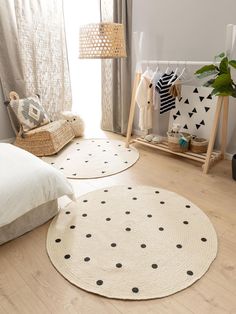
{"x":135,"y":242}
{"x":93,"y":158}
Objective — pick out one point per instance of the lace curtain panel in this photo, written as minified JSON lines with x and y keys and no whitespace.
{"x":41,"y":64}
{"x":116,"y":73}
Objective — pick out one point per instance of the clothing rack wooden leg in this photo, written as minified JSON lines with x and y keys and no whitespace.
{"x":132,"y":108}
{"x":224,"y":125}
{"x":213,"y":133}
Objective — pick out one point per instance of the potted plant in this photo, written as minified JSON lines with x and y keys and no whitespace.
{"x":222,"y":83}
{"x":220,"y":76}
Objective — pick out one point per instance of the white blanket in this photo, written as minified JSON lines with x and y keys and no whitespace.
{"x":27,"y":182}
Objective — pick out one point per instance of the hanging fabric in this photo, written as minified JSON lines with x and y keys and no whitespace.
{"x":116,"y":73}
{"x":167,"y":101}
{"x":144,"y":99}
{"x":41,"y":64}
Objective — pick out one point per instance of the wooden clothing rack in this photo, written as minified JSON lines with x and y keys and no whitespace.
{"x":207,"y":159}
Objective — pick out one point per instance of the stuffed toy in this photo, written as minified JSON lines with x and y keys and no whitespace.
{"x":76,"y":123}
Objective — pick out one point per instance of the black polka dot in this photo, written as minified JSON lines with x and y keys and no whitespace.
{"x":98,"y":145}
{"x":128,"y":229}
{"x":67,"y":158}
{"x":143,"y":246}
{"x":88,"y":235}
{"x":58,"y":240}
{"x":154,"y":266}
{"x":119,"y":145}
{"x":84,"y":215}
{"x":103,"y":171}
{"x":87,"y":259}
{"x":185,"y":222}
{"x":108,"y":219}
{"x":187,"y":206}
{"x":90,"y":154}
{"x":61,"y":168}
{"x":118,"y":265}
{"x":113,"y":244}
{"x":125,"y":162}
{"x":52,"y":163}
{"x":103,"y":202}
{"x":78,"y":149}
{"x":116,"y":155}
{"x":162,"y":202}
{"x":127,"y":212}
{"x":203,"y":239}
{"x":99,"y":282}
{"x":104,"y":150}
{"x":92,"y":141}
{"x":67,"y":213}
{"x":129,"y":188}
{"x":107,"y":142}
{"x":105,"y":162}
{"x":86,"y":161}
{"x":161,"y":229}
{"x":189,"y":272}
{"x":72,"y":227}
{"x":157,"y":192}
{"x":105,"y":191}
{"x":67,"y":256}
{"x":77,"y":143}
{"x":129,"y":150}
{"x":134,"y":198}
{"x":85,"y":201}
{"x":179,"y":246}
{"x":149,"y":216}
{"x":73,"y":174}
{"x":135,"y":290}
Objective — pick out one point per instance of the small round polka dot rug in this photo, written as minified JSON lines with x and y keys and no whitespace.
{"x":93,"y":158}
{"x":132,"y":242}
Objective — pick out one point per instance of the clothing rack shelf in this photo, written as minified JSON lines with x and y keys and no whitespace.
{"x":215,"y":155}
{"x":222,"y":105}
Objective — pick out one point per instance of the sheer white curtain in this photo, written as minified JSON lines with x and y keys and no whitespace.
{"x":34,"y":52}
{"x":85,"y":74}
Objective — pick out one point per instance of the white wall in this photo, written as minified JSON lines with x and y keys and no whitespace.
{"x":185,"y":30}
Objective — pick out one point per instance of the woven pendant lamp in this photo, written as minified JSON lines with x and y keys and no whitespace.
{"x":102,"y":41}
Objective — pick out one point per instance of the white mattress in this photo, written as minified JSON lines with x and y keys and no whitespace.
{"x":27,"y":182}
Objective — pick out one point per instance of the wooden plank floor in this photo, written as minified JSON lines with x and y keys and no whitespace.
{"x":30,"y":284}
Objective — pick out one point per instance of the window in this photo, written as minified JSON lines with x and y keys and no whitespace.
{"x":85,"y":73}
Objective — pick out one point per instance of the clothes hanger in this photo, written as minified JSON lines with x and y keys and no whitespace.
{"x":181,"y":74}
{"x":168,"y":67}
{"x":174,"y":75}
{"x":157,"y":68}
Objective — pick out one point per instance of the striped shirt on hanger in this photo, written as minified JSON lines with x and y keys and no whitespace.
{"x":167,"y":102}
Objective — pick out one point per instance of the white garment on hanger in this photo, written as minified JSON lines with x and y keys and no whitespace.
{"x":156,"y":96}
{"x":144,"y":100}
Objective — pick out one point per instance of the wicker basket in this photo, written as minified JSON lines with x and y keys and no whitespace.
{"x":47,"y":139}
{"x":198,"y":145}
{"x":173,"y":142}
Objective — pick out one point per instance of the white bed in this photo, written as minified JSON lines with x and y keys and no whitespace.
{"x":29,"y":189}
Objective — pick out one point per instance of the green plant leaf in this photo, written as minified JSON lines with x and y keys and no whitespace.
{"x":206,"y":68}
{"x":221,"y":55}
{"x":224,"y":68}
{"x":233,"y":63}
{"x":226,"y":90}
{"x":209,"y":83}
{"x":214,"y":91}
{"x":222,"y":80}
